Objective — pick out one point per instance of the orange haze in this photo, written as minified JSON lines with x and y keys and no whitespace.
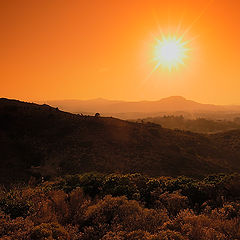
{"x":69,"y":49}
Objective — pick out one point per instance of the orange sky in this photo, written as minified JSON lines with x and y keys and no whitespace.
{"x":82,"y":49}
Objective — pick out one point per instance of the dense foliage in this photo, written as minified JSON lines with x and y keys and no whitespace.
{"x":94,"y":206}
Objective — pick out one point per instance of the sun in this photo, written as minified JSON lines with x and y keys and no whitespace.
{"x":170,"y":52}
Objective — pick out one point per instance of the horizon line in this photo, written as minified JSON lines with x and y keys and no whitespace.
{"x":117,"y":100}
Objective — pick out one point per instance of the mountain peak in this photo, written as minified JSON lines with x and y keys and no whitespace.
{"x":174,"y":98}
{"x":177,"y":97}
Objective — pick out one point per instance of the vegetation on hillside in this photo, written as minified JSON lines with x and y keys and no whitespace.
{"x":199,"y":125}
{"x":41,"y":140}
{"x":94,"y":206}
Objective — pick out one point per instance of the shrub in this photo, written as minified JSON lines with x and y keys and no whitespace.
{"x":14,"y":204}
{"x":173,"y":202}
{"x":49,"y":231}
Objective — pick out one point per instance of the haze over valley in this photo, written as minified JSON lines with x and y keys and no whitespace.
{"x":175,"y":105}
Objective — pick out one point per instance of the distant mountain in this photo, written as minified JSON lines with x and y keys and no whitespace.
{"x":139,"y":109}
{"x":39,"y":139}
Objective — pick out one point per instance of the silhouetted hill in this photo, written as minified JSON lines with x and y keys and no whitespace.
{"x":128,"y":110}
{"x":42,"y":139}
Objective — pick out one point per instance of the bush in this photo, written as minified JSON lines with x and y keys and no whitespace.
{"x":163,"y":208}
{"x":49,"y":231}
{"x":14,"y":204}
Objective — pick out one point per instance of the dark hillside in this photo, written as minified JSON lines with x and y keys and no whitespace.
{"x":40,"y":139}
{"x":229,"y":143}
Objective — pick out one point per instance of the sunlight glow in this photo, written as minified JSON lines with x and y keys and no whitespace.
{"x":170,"y":52}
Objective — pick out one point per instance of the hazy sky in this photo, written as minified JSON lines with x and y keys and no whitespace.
{"x":82,"y":49}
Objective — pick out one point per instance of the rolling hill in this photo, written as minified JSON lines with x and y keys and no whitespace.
{"x":39,"y":139}
{"x":199,"y":125}
{"x":128,"y":110}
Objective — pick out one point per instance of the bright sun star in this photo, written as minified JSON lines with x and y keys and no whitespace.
{"x":170,"y":52}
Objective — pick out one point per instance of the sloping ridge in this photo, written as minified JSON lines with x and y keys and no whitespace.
{"x":170,"y":104}
{"x":40,"y":139}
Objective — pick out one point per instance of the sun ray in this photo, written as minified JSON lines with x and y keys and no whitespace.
{"x":170,"y":51}
{"x":180,"y":23}
{"x":197,"y":18}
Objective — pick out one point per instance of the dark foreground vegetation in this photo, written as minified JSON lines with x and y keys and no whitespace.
{"x":123,"y":207}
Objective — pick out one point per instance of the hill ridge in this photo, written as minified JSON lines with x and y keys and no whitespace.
{"x":65,"y":143}
{"x":119,"y":108}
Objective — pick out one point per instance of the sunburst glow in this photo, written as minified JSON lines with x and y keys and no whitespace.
{"x":170,"y":52}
